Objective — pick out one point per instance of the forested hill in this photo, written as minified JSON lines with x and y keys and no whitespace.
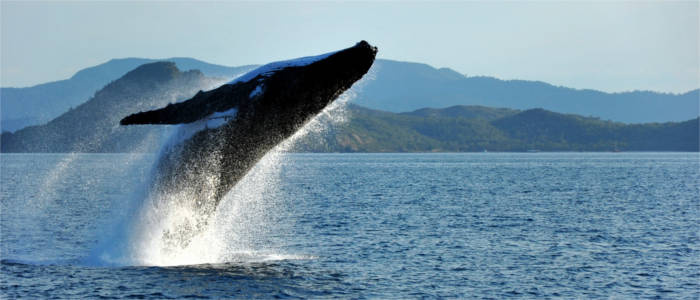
{"x":406,"y":86}
{"x":94,"y":125}
{"x":478,"y":128}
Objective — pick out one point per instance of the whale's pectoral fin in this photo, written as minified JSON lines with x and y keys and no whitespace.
{"x":200,"y":106}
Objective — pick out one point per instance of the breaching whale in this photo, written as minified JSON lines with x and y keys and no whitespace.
{"x":230,"y":128}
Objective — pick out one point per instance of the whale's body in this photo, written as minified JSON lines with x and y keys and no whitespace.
{"x":233,"y":126}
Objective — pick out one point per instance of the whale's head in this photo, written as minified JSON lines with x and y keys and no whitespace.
{"x":285,"y":94}
{"x":282,"y":95}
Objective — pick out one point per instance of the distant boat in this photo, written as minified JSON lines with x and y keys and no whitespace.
{"x":533,"y":151}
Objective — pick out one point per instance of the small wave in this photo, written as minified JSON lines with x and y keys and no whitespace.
{"x":245,"y":258}
{"x":26,"y":262}
{"x":14,"y":262}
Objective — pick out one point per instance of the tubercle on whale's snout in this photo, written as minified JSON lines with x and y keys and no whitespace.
{"x":365,"y":44}
{"x":353,"y":62}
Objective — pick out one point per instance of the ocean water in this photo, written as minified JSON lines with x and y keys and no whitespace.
{"x":483,"y":226}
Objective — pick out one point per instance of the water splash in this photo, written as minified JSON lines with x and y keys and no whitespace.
{"x":239,"y":228}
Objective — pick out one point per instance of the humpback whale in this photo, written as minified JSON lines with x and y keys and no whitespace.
{"x":227,"y":130}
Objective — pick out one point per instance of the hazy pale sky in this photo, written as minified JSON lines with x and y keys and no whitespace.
{"x":611,"y":46}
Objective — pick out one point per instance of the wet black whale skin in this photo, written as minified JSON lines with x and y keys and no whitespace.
{"x":289,"y":98}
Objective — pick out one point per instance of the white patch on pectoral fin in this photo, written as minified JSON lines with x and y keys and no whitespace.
{"x":257,"y":91}
{"x":220,"y":118}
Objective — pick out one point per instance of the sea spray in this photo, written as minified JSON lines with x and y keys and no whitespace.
{"x":236,"y":230}
{"x":115,"y":231}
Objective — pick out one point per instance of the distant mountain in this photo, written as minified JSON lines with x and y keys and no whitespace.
{"x":403,"y":86}
{"x":476,"y":128}
{"x":94,"y":125}
{"x":21,"y":107}
{"x":394,"y":86}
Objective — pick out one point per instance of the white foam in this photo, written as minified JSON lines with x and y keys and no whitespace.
{"x":236,"y":232}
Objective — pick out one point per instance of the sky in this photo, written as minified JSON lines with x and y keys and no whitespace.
{"x":612,"y":46}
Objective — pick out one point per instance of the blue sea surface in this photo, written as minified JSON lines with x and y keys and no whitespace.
{"x":475,"y":225}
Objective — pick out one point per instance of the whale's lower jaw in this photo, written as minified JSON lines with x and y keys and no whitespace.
{"x":270,"y":108}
